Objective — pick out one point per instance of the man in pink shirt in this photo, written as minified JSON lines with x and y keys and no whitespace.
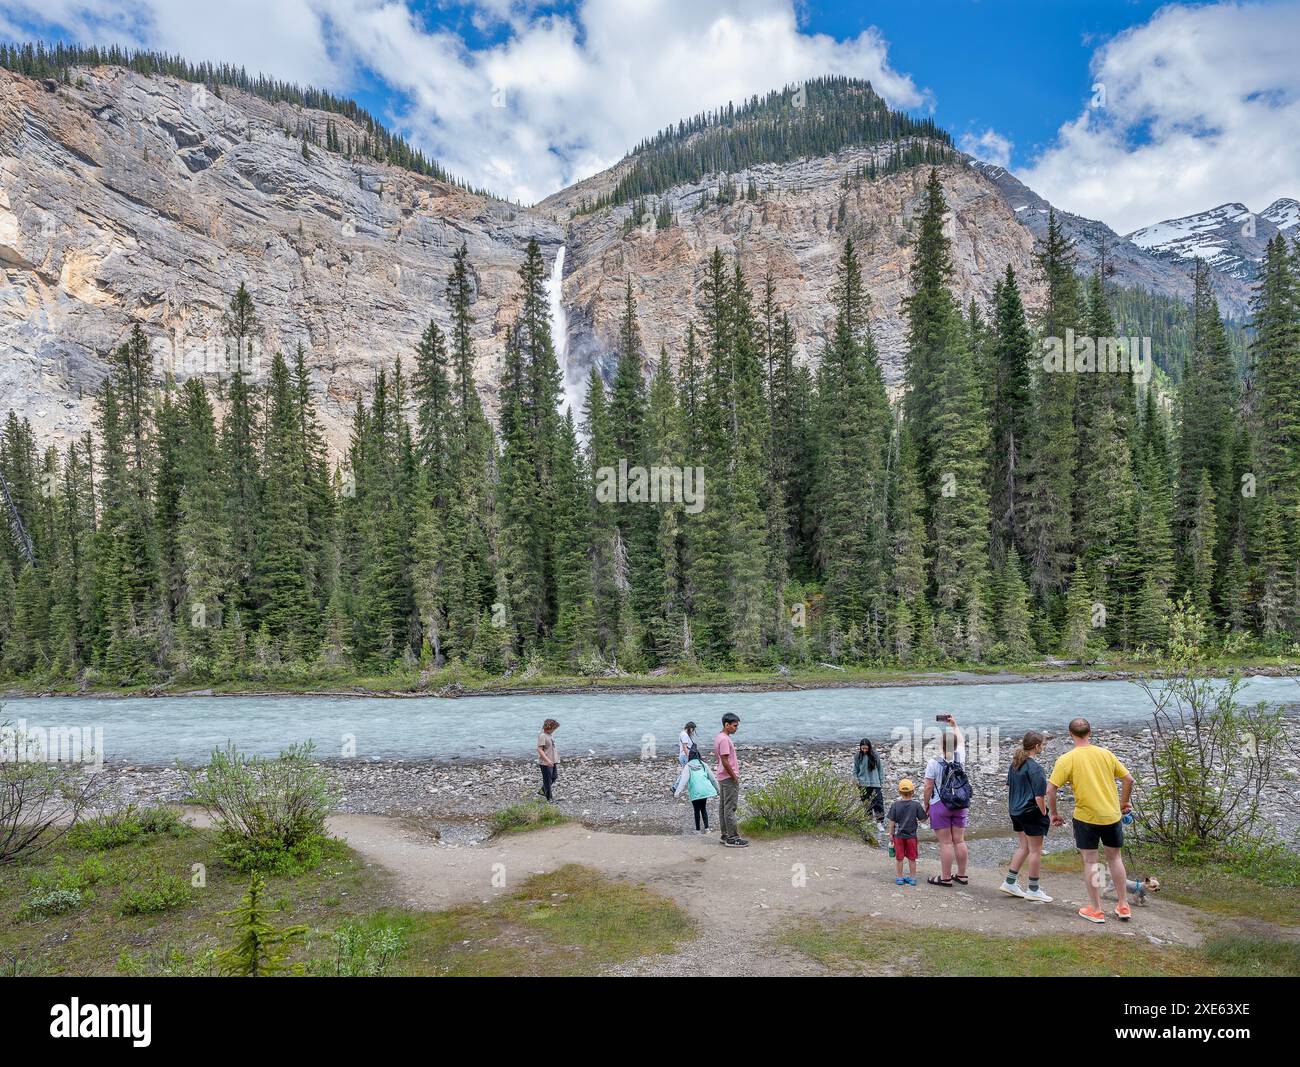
{"x":727,"y":771}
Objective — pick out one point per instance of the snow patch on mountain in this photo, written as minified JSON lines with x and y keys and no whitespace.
{"x":1284,"y":213}
{"x":1230,"y":238}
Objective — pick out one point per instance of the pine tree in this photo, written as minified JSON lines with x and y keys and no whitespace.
{"x":281,"y":581}
{"x":1078,"y":616}
{"x":853,"y":435}
{"x":203,"y":537}
{"x":1014,"y":614}
{"x":950,"y":429}
{"x":239,"y":439}
{"x":1053,"y":440}
{"x":1209,"y":400}
{"x":1275,"y":358}
{"x":1011,"y":410}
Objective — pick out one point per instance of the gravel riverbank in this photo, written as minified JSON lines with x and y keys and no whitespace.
{"x":634,"y":794}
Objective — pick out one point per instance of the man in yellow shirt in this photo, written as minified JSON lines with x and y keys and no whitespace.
{"x":1091,"y":772}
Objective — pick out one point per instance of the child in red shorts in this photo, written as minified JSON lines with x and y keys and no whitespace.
{"x":904,"y":815}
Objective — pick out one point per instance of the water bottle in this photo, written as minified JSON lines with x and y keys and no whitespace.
{"x":1127,"y":819}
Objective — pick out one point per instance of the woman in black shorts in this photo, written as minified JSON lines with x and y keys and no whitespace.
{"x":1027,"y":803}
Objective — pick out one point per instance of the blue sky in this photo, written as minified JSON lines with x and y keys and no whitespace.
{"x":1017,"y":66}
{"x":1201,"y":102}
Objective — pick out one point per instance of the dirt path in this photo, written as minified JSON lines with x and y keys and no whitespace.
{"x":738,"y":896}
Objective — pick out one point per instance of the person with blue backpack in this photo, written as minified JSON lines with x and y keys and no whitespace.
{"x":947,"y":803}
{"x":700,"y":786}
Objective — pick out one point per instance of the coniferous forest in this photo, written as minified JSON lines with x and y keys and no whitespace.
{"x":996,"y":513}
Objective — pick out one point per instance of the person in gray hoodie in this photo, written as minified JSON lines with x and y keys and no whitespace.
{"x":869,"y":772}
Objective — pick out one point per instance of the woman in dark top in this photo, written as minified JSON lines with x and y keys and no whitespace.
{"x":1027,"y":803}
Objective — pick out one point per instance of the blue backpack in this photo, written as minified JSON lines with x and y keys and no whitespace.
{"x":955,"y":789}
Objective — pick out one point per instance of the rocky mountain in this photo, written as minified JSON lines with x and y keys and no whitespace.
{"x":1230,"y":238}
{"x":1130,"y":263}
{"x":129,"y":197}
{"x":133,"y":199}
{"x":793,"y":229}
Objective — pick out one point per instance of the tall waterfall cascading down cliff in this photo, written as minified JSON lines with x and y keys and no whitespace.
{"x":560,"y":337}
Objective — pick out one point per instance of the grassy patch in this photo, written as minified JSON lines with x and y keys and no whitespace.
{"x":531,"y":815}
{"x":903,"y":950}
{"x":571,"y":921}
{"x":134,"y":910}
{"x":1255,"y":884}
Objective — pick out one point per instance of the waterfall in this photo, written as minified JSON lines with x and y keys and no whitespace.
{"x":560,"y":336}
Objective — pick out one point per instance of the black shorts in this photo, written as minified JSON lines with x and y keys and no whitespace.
{"x":1087,"y":835}
{"x":1031,"y":822}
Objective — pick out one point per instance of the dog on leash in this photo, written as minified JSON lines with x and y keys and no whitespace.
{"x":1138,"y":888}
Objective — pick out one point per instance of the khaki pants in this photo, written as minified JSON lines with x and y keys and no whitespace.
{"x":728,"y":797}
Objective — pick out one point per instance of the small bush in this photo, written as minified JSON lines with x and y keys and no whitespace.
{"x":49,"y":902}
{"x":39,"y":798}
{"x":270,"y":814}
{"x":1211,"y":757}
{"x":361,"y":952}
{"x":125,"y":826}
{"x":807,"y":800}
{"x":532,"y":815}
{"x":59,"y":875}
{"x":161,"y":892}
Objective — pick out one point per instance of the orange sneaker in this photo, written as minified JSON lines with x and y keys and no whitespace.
{"x":1123,"y":912}
{"x":1092,"y":915}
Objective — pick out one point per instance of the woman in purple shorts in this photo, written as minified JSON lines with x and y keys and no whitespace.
{"x":948,"y":826}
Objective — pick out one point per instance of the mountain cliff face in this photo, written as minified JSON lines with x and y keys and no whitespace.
{"x":795,"y":230}
{"x":131,"y":199}
{"x":128,"y":198}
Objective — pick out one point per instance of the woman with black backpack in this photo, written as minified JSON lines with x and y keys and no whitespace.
{"x":947,"y":802}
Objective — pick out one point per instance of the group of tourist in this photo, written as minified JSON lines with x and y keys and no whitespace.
{"x":1090,"y":771}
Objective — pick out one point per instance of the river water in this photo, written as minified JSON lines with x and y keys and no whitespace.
{"x":164,"y":730}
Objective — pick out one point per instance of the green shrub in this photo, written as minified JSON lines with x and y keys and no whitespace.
{"x":59,"y":875}
{"x":124,"y":826}
{"x":49,"y":902}
{"x":270,"y":814}
{"x":531,"y":815}
{"x":807,"y":800}
{"x":160,"y":892}
{"x":360,"y":952}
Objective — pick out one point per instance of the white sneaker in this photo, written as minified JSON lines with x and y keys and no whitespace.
{"x":1011,"y":889}
{"x":1036,"y":894}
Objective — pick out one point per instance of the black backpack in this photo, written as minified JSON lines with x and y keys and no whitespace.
{"x":955,"y":789}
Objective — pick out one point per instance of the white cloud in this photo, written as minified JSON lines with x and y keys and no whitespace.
{"x":989,"y":146}
{"x":287,"y":39}
{"x":1201,"y":106}
{"x":579,"y":90}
